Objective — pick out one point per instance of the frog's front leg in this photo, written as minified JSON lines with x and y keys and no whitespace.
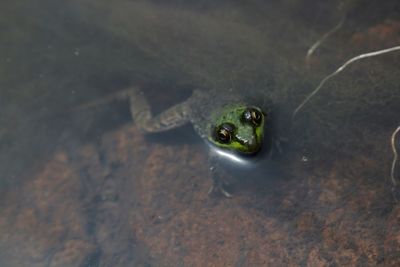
{"x":218,"y":176}
{"x":141,"y":112}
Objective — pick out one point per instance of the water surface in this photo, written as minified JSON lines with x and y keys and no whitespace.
{"x":84,"y":187}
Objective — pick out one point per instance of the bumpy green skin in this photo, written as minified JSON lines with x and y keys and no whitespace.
{"x":206,"y":111}
{"x":247,"y":138}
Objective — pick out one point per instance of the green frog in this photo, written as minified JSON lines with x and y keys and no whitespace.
{"x":224,"y":120}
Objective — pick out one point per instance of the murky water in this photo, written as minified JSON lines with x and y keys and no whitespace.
{"x":82,"y":186}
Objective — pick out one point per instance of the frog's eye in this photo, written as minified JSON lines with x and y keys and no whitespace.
{"x":224,"y":133}
{"x":253,"y":116}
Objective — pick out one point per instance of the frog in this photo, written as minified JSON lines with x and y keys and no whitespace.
{"x":225,"y":121}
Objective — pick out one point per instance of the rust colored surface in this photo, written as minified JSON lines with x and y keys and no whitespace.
{"x":381,"y":36}
{"x":126,"y":202}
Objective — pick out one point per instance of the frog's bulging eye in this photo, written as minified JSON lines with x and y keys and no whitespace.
{"x":253,"y":116}
{"x":224,"y":133}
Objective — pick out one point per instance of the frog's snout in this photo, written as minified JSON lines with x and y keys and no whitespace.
{"x":253,"y":146}
{"x":251,"y":142}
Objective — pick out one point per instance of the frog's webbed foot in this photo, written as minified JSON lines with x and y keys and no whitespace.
{"x":218,"y":177}
{"x":219,"y":184}
{"x":216,"y":186}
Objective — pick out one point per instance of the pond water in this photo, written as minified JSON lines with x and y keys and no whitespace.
{"x":81,"y":185}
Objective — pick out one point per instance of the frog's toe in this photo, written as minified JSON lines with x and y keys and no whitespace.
{"x":219,"y":187}
{"x":225,"y":193}
{"x":212,"y":188}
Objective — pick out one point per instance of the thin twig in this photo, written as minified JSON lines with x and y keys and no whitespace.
{"x":394,"y":180}
{"x":318,"y":43}
{"x":340,"y":69}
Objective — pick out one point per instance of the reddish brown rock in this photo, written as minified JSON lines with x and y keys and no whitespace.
{"x":43,"y":215}
{"x":392,"y":241}
{"x":129,"y":202}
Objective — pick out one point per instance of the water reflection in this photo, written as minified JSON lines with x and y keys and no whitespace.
{"x":87,"y":188}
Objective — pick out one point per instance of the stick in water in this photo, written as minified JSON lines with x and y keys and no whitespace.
{"x":392,"y":171}
{"x":318,"y":43}
{"x":340,"y":69}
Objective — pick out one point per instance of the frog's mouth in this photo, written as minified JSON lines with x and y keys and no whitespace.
{"x":248,"y":146}
{"x":248,"y":158}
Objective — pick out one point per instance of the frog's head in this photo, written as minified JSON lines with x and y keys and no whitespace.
{"x":238,"y":128}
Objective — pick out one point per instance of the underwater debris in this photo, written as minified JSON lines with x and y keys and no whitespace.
{"x":340,"y":69}
{"x":395,"y":156}
{"x":319,"y":42}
